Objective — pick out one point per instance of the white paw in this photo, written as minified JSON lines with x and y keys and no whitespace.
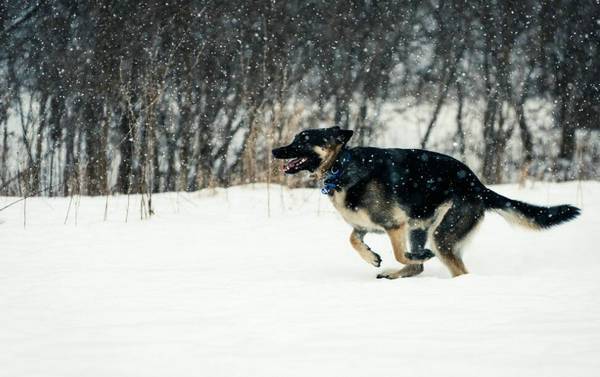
{"x":373,"y":259}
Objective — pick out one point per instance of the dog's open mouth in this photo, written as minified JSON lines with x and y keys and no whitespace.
{"x":295,"y":165}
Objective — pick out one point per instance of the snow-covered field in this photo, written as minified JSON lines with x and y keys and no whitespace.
{"x":214,"y":286}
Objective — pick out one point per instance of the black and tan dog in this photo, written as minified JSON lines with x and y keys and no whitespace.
{"x":408,"y":194}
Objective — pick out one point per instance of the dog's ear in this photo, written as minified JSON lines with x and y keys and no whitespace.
{"x":341,"y":136}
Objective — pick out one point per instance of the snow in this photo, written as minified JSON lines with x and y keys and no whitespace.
{"x":214,"y":286}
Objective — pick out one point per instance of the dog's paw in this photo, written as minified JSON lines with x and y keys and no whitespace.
{"x":422,"y":255}
{"x":376,"y":261}
{"x":371,"y":258}
{"x":388,"y":275}
{"x":405,"y":272}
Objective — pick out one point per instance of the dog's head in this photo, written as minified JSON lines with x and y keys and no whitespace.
{"x":313,"y":149}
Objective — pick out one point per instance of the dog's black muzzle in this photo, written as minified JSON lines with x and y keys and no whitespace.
{"x":282,"y":153}
{"x":299,"y":158}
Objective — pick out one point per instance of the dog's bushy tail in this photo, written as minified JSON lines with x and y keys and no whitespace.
{"x":529,"y":215}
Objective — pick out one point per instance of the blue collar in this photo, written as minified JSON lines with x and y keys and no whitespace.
{"x":333,"y":175}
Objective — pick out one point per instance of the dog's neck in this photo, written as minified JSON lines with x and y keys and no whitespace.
{"x":329,"y":161}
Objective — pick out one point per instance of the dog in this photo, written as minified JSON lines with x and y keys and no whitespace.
{"x":415,"y":196}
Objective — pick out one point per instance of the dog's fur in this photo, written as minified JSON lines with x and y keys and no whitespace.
{"x":408,"y":194}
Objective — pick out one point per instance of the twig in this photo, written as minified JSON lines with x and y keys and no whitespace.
{"x":68,"y":209}
{"x":319,"y":206}
{"x":24,"y":18}
{"x":127,"y":210}
{"x":77,"y":203}
{"x":25,"y":197}
{"x":25,"y":213}
{"x":106,"y":208}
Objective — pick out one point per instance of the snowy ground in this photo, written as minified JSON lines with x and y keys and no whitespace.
{"x":212,"y":286}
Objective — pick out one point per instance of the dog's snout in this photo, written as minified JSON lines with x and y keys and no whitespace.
{"x":284,"y":152}
{"x":276,"y":152}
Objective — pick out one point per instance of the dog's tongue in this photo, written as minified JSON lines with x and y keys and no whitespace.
{"x":293,"y":164}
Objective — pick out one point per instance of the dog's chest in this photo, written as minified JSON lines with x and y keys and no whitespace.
{"x":358,"y":218}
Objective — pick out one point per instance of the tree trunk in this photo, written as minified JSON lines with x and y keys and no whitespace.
{"x":95,"y":143}
{"x":185,"y":125}
{"x":489,"y":117}
{"x":248,"y":154}
{"x":567,"y":143}
{"x":37,"y":166}
{"x":524,"y":131}
{"x":126,"y":147}
{"x":156,"y":186}
{"x":69,"y":168}
{"x":460,"y":132}
{"x":3,"y":168}
{"x":57,"y":108}
{"x":171,"y":153}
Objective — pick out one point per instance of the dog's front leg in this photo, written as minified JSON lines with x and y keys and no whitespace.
{"x":418,"y":252}
{"x":365,"y":252}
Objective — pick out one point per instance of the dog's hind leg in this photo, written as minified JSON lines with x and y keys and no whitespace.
{"x":446,"y":253}
{"x":457,"y":225}
{"x":365,"y":252}
{"x":414,"y":267}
